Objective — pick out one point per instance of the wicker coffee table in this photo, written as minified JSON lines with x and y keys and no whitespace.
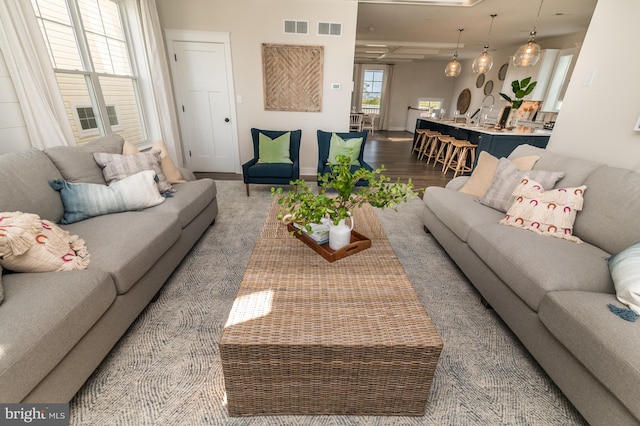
{"x":306,"y":336}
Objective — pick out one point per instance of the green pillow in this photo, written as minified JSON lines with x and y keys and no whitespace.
{"x":339,"y":146}
{"x":274,"y":150}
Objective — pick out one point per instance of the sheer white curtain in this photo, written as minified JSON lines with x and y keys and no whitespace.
{"x":386,"y":97}
{"x":160,"y":77}
{"x":32,"y":75}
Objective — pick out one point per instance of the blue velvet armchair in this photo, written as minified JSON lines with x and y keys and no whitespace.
{"x":254,"y":171}
{"x":324,"y":144}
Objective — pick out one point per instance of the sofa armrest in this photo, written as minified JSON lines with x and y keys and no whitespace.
{"x":187,"y":174}
{"x":457,"y":183}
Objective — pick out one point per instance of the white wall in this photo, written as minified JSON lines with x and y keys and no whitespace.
{"x":253,"y":22}
{"x":416,"y":80}
{"x":602,"y":102}
{"x":13,"y":132}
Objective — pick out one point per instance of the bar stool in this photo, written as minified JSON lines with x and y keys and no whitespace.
{"x":461,"y":151}
{"x":444,"y":151}
{"x":420,"y":141}
{"x":433,"y":147}
{"x":431,"y":139}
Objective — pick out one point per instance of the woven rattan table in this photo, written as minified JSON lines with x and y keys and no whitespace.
{"x":306,"y":336}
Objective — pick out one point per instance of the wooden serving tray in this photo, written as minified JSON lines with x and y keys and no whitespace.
{"x":358,"y":243}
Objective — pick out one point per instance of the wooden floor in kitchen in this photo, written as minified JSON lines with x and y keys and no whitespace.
{"x":391,"y":148}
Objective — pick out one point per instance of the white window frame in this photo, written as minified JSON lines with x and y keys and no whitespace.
{"x":143,"y":89}
{"x":429,"y":100}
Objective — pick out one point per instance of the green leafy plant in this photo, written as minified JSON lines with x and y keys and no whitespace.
{"x":520,"y":90}
{"x":305,"y":207}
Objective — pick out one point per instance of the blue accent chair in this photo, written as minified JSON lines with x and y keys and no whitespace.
{"x":272,"y":173}
{"x":324,"y":143}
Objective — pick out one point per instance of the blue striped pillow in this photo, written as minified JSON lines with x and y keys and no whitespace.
{"x":625,"y":272}
{"x":84,"y":200}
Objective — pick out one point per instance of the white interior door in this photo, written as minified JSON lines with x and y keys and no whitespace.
{"x":206,"y":111}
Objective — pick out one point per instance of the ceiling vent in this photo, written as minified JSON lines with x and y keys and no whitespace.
{"x":296,"y":27}
{"x":330,"y":29}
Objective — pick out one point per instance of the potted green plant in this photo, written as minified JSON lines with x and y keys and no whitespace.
{"x":520,"y":90}
{"x":337,"y":195}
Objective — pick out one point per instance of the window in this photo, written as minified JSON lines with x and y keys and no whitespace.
{"x":88,"y":121}
{"x":372,"y":90}
{"x":91,"y":56}
{"x":429,"y":103}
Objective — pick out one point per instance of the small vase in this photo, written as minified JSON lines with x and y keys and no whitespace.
{"x":340,"y":234}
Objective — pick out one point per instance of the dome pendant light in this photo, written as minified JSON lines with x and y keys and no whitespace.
{"x":484,"y":62}
{"x":528,"y":54}
{"x":454,"y":67}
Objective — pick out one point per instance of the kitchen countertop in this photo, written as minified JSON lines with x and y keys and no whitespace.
{"x":520,"y":130}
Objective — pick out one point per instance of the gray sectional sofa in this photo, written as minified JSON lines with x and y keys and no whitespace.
{"x":554,"y":293}
{"x":56,"y":327}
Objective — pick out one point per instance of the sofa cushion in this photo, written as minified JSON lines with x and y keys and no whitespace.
{"x":459,"y":211}
{"x":188,"y":200}
{"x":485,"y":169}
{"x":24,"y":184}
{"x":611,"y":200}
{"x":532,"y":265}
{"x":84,"y":200}
{"x":127,"y":245}
{"x":42,"y":317}
{"x":575,"y":170}
{"x":271,"y":170}
{"x":76,"y":163}
{"x":550,"y":212}
{"x":508,"y":176}
{"x":31,"y":244}
{"x":116,"y":167}
{"x":604,"y":343}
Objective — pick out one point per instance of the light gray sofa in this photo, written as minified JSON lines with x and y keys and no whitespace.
{"x":554,"y":293}
{"x":56,"y":327}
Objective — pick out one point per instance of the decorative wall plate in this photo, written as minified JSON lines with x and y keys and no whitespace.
{"x":488,"y":87}
{"x":463,"y":101}
{"x":503,"y":72}
{"x":480,"y":80}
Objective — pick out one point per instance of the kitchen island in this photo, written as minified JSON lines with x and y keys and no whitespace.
{"x":499,"y":143}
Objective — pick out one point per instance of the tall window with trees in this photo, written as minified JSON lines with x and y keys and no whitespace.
{"x":372,"y":91}
{"x":91,"y":56}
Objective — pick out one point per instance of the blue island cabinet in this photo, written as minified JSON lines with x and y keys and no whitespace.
{"x":499,"y":143}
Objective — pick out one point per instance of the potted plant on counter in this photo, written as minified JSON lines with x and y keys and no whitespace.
{"x":520,"y":90}
{"x":336,"y":197}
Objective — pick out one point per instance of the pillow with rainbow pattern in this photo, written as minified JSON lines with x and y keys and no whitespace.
{"x":546,"y":212}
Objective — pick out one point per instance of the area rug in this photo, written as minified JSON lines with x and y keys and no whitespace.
{"x":166,"y":369}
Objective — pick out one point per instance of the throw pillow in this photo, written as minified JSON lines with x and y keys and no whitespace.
{"x":500,"y":194}
{"x":274,"y":150}
{"x":545,"y":212}
{"x":84,"y":200}
{"x":166,"y":163}
{"x":31,"y":244}
{"x":76,"y":163}
{"x":485,"y":169}
{"x":116,"y":167}
{"x":625,"y":272}
{"x":347,"y":147}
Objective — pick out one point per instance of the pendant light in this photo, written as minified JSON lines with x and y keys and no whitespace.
{"x":528,"y":54}
{"x":484,"y":62}
{"x":454,"y":67}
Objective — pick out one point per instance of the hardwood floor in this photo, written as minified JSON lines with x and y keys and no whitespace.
{"x":393,"y":149}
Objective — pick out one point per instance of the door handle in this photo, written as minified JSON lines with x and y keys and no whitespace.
{"x":226,"y":120}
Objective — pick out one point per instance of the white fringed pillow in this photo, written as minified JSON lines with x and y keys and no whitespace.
{"x":545,"y":212}
{"x":31,"y":244}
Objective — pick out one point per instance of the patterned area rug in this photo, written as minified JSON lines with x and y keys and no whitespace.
{"x":166,"y":369}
